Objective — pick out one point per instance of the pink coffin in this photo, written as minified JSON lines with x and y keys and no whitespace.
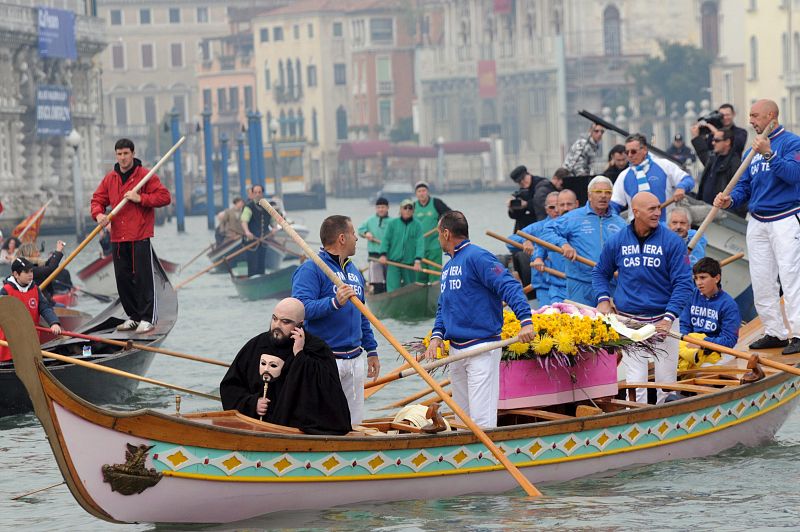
{"x":526,"y":383}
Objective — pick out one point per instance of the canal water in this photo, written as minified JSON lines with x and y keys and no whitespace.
{"x":736,"y":490}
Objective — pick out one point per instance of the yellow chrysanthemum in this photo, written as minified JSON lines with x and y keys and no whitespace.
{"x":519,"y":348}
{"x":542,"y":345}
{"x":564,"y":342}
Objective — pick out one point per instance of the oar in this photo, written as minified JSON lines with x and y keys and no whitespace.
{"x":501,"y":457}
{"x":667,"y":203}
{"x":203,"y":252}
{"x":372,"y":390}
{"x":120,"y":373}
{"x":100,"y":297}
{"x":420,"y":394}
{"x":227,"y":257}
{"x":432,"y":264}
{"x":111,"y":215}
{"x":553,"y":247}
{"x":429,"y":233}
{"x":727,"y":190}
{"x":17,"y":497}
{"x":489,"y":346}
{"x":406,"y":266}
{"x":732,"y":258}
{"x":142,"y":347}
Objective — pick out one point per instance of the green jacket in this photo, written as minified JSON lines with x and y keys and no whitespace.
{"x":428,"y":217}
{"x":376,"y":226}
{"x":402,"y":242}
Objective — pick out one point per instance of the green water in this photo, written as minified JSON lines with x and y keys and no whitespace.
{"x":736,"y":490}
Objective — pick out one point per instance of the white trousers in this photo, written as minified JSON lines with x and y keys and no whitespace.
{"x":476,"y":385}
{"x":351,"y":373}
{"x":774,"y":251}
{"x":666,"y":366}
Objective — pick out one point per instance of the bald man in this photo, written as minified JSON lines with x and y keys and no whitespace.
{"x":288,"y":376}
{"x":654,"y":285}
{"x":771,"y":184}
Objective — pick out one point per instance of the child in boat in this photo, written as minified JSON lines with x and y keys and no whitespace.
{"x":711,"y":313}
{"x":20,"y":285}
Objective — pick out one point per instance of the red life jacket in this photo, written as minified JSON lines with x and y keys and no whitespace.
{"x":31,"y":301}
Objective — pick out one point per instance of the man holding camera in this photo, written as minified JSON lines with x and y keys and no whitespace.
{"x":520,"y":204}
{"x":722,"y":118}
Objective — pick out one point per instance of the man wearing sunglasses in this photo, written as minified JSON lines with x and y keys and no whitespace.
{"x":647,"y":173}
{"x":584,"y":152}
{"x":402,"y":242}
{"x":720,"y":163}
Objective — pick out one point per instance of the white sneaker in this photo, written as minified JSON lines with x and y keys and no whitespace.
{"x":127,"y":325}
{"x":144,"y":326}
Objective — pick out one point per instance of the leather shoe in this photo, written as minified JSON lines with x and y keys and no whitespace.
{"x":793,"y":347}
{"x":768,"y":342}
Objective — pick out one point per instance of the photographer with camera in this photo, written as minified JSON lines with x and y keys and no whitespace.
{"x":716,"y":120}
{"x":520,"y":204}
{"x":721,"y":163}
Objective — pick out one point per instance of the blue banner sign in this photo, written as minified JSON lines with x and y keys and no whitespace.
{"x":57,"y":33}
{"x":53,"y":116}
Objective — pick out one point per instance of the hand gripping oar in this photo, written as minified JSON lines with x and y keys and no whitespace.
{"x":557,"y":249}
{"x":111,"y":215}
{"x":727,"y":190}
{"x":131,"y":345}
{"x":120,"y":373}
{"x":406,"y":266}
{"x":501,"y":457}
{"x":489,"y":346}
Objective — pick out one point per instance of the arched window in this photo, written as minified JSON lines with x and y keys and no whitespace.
{"x":299,"y":75}
{"x":612,"y":39}
{"x":282,"y":121}
{"x":314,"y":131}
{"x":281,"y":78}
{"x":753,"y":58}
{"x":341,"y":123}
{"x":301,"y":130}
{"x":289,"y":77}
{"x":709,"y":25}
{"x":785,"y":53}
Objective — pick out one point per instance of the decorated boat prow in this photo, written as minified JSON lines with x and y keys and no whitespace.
{"x":215,"y":467}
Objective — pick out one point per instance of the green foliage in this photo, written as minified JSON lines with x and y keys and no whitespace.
{"x":680,"y":74}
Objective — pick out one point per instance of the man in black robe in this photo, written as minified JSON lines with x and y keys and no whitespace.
{"x":304,"y":392}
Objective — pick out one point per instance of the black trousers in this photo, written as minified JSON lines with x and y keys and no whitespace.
{"x":256,"y":260}
{"x":133,"y":269}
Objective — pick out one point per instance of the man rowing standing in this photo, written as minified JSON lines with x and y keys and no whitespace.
{"x":330,"y":315}
{"x":772,"y":186}
{"x":654,"y":286}
{"x":470,"y":313}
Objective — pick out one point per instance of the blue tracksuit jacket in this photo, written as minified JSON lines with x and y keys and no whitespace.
{"x":717,"y":317}
{"x":343,"y":328}
{"x":538,"y":279}
{"x":474,"y":286}
{"x":773,"y":188}
{"x":654,"y":273}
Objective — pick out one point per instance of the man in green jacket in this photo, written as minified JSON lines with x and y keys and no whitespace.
{"x":427,"y":211}
{"x":402,"y":242}
{"x":373,"y":229}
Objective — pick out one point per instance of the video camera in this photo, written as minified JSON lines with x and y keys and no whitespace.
{"x":516,"y":199}
{"x":714,"y":118}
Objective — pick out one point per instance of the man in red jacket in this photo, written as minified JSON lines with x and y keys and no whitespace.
{"x":131,"y":230}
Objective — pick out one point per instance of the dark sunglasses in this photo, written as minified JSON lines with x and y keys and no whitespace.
{"x":549,"y":207}
{"x":631,"y":152}
{"x":409,"y":207}
{"x":718,"y":140}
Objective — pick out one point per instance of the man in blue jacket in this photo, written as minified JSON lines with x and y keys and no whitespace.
{"x":329,"y":314}
{"x":470,"y":313}
{"x":583,"y":232}
{"x":654,"y":286}
{"x":679,"y":220}
{"x":567,"y":201}
{"x":772,"y":185}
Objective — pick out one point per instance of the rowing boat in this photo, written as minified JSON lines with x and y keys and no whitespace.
{"x":412,"y":302}
{"x":213,"y":467}
{"x":265,"y":286}
{"x":272,"y":257}
{"x":101,"y":388}
{"x":98,"y":275}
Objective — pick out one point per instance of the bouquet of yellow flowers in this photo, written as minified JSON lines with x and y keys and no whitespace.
{"x":563,"y":331}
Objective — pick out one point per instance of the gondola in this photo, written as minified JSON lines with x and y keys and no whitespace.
{"x":413,"y":302}
{"x":93,"y":386}
{"x":213,"y":467}
{"x":285,"y":248}
{"x":270,"y":285}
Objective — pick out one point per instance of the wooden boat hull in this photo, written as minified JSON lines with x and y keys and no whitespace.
{"x":98,"y":276}
{"x":70,"y":320}
{"x":410,"y":303}
{"x":275,"y":284}
{"x":223,"y":467}
{"x":94,"y":386}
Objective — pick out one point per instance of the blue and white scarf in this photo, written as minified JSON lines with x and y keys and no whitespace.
{"x":641,"y":174}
